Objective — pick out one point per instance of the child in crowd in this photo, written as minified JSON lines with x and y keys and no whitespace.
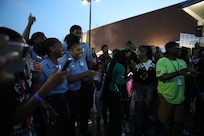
{"x":99,"y":84}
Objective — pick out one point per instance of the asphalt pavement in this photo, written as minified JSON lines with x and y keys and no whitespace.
{"x":189,"y":127}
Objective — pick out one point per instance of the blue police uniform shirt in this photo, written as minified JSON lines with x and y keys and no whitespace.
{"x":75,"y":67}
{"x":34,"y":56}
{"x":48,"y":67}
{"x":64,"y":45}
{"x":86,"y":51}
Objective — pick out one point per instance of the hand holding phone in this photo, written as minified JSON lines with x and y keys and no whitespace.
{"x":66,"y":65}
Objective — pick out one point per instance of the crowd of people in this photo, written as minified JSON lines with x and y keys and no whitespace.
{"x":60,"y":82}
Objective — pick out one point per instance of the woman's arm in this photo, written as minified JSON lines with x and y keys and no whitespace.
{"x":88,"y":74}
{"x":26,"y":33}
{"x":23,"y":110}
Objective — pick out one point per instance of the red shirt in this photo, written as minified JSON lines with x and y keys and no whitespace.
{"x":104,"y":58}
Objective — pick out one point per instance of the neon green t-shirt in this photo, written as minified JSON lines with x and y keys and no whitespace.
{"x":172,"y":90}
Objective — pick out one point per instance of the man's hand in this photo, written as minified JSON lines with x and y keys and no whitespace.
{"x":31,"y":19}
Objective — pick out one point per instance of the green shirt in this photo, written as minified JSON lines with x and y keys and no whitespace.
{"x":172,"y":90}
{"x":117,"y":77}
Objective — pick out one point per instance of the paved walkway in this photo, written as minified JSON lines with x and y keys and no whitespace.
{"x":189,"y":125}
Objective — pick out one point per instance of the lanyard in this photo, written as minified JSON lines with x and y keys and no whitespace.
{"x":28,"y":119}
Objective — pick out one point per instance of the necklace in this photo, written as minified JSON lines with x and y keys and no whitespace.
{"x":179,"y":81}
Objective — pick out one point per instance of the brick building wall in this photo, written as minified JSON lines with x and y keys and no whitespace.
{"x":152,"y":28}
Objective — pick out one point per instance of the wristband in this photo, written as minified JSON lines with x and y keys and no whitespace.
{"x":40,"y":99}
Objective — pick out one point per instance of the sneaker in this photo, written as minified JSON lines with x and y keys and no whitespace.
{"x":127,"y":127}
{"x":185,"y":132}
{"x":76,"y":124}
{"x":123,"y":134}
{"x":90,"y":122}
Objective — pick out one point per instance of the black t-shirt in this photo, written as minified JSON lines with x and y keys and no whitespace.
{"x":143,"y":76}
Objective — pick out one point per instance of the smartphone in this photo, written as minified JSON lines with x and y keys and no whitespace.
{"x":66,"y":65}
{"x":129,"y":74}
{"x":18,"y":64}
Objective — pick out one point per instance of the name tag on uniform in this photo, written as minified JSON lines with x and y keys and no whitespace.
{"x":81,"y":64}
{"x":179,"y":81}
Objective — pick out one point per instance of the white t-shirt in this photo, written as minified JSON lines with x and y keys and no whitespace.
{"x":147,"y":64}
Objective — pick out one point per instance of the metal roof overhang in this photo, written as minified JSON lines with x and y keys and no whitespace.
{"x":195,"y":8}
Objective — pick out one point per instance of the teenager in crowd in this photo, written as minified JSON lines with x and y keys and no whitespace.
{"x":170,"y":72}
{"x":114,"y":83}
{"x":56,"y":114}
{"x":80,"y":82}
{"x":18,"y":99}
